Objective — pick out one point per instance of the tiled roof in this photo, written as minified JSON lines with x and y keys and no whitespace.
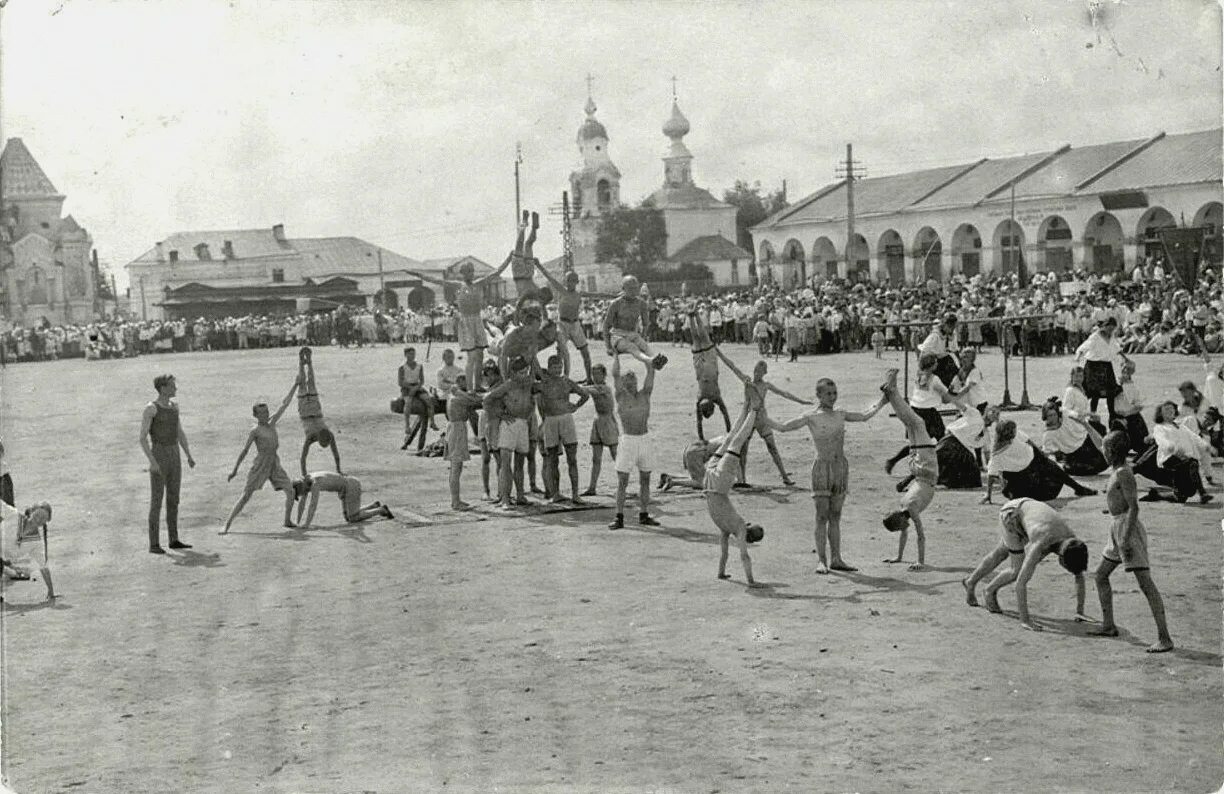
{"x":23,"y":177}
{"x":1186,"y":158}
{"x":979,"y":182}
{"x":345,"y":254}
{"x":1173,"y":160}
{"x":710,"y":248}
{"x":248,"y":244}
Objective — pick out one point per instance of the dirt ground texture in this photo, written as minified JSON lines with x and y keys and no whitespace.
{"x":546,"y":653}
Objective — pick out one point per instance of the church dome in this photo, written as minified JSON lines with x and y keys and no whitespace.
{"x":591,"y":129}
{"x":677,"y":126}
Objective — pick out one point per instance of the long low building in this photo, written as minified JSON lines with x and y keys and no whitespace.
{"x":262,"y":271}
{"x":1097,"y":207}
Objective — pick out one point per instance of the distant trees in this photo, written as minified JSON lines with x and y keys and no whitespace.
{"x":635,"y":239}
{"x":752,"y":207}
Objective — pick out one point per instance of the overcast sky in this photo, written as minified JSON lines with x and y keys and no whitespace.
{"x":397,"y":121}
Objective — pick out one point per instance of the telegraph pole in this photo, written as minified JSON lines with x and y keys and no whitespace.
{"x":850,"y":170}
{"x":567,"y":233}
{"x":518,"y":159}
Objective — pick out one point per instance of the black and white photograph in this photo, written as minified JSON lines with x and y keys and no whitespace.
{"x":828,"y":396}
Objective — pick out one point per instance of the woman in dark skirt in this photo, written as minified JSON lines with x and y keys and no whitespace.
{"x":1072,"y":442}
{"x":1098,"y":354}
{"x":1128,"y":411}
{"x":1172,"y":459}
{"x":1024,"y":470}
{"x":958,"y":466}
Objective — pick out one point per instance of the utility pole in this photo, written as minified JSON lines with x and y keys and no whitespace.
{"x":518,"y":159}
{"x":382,"y":287}
{"x":850,"y":171}
{"x":567,"y":232}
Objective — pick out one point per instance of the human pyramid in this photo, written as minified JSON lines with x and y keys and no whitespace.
{"x":514,"y":406}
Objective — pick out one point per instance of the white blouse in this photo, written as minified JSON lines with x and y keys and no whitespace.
{"x":968,"y":428}
{"x":1075,"y":403}
{"x":1098,"y":348}
{"x":972,"y":384}
{"x":1067,"y":438}
{"x":1016,"y":456}
{"x":1172,"y":440}
{"x":930,"y":396}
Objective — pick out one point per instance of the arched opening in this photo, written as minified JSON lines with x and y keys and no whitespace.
{"x":603,"y":194}
{"x":824,"y":258}
{"x":1008,"y":247}
{"x":891,"y":253}
{"x":1103,"y":244}
{"x":386,"y":299}
{"x":966,"y":253}
{"x":928,"y":255}
{"x":1054,"y":238}
{"x":793,"y":254}
{"x":1150,"y":222}
{"x":858,"y":260}
{"x":35,"y":286}
{"x":420,"y":298}
{"x":767,"y":251}
{"x":1211,"y":217}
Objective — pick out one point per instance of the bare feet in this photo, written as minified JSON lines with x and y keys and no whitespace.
{"x":589,"y":491}
{"x":460,"y":505}
{"x":891,"y":560}
{"x":523,"y":501}
{"x":840,"y":565}
{"x":970,"y":596}
{"x":755,"y":585}
{"x":557,"y":499}
{"x":821,"y":568}
{"x":992,"y":604}
{"x":1031,"y":626}
{"x":1104,"y":631}
{"x":1160,"y":646}
{"x":577,"y":502}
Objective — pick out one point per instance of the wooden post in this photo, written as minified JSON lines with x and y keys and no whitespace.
{"x":1024,"y":398}
{"x":1007,"y":400}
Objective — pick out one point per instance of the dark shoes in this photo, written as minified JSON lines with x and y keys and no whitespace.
{"x":618,"y":522}
{"x":645,"y":520}
{"x":178,"y":544}
{"x":659,"y":361}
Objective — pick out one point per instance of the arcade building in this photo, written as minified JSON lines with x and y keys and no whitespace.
{"x":1095,"y":207}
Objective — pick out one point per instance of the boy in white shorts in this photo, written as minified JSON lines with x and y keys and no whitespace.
{"x":635,"y":445}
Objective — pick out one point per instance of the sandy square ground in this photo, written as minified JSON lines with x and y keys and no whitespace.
{"x":546,"y":653}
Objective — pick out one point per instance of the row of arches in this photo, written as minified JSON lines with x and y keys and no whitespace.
{"x":1053,"y":249}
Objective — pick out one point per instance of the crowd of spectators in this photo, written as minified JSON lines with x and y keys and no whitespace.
{"x":1155,"y":313}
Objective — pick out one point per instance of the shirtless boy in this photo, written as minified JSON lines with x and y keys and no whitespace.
{"x":756,"y":389}
{"x":512,"y":401}
{"x":604,"y":430}
{"x":310,"y":411}
{"x":626,"y":317}
{"x":635,"y":445}
{"x":469,"y":297}
{"x":721,"y":472}
{"x":347,"y":488}
{"x":705,"y":366}
{"x":830,"y":470}
{"x":1127,"y":545}
{"x":1029,"y":530}
{"x":460,"y":405}
{"x":557,"y":428}
{"x":569,"y":327}
{"x":487,"y":430}
{"x":267,"y":465}
{"x":924,"y":473}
